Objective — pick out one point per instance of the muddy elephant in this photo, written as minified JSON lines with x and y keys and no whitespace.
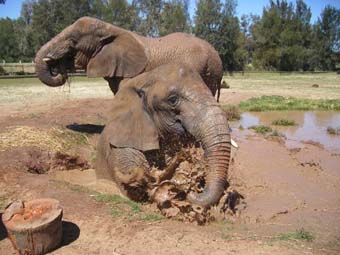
{"x":150,"y":112}
{"x":108,"y":51}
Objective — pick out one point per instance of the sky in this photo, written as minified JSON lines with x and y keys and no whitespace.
{"x":12,"y":7}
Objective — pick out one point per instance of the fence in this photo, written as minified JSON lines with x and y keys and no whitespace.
{"x":16,"y":68}
{"x":23,"y":70}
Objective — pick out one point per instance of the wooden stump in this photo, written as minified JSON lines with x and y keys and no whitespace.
{"x":34,"y":227}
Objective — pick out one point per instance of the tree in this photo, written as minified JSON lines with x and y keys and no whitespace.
{"x":207,"y":20}
{"x":247,"y":41}
{"x":283,"y":37}
{"x":119,"y":13}
{"x":9,"y":49}
{"x":326,"y":40}
{"x":174,"y":17}
{"x":149,"y":12}
{"x":230,"y":39}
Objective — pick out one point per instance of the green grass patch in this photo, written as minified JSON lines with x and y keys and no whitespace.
{"x":276,"y":133}
{"x":283,"y":122}
{"x":261,"y":129}
{"x":118,"y":200}
{"x":297,"y":235}
{"x":120,"y":206}
{"x":333,"y":131}
{"x":278,"y":103}
{"x":266,"y":130}
{"x":232,"y":112}
{"x":152,"y":217}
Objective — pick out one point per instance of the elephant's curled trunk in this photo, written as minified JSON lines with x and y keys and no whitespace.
{"x":214,"y":134}
{"x":44,"y":71}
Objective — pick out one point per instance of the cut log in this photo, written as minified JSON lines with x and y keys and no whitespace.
{"x":34,"y":227}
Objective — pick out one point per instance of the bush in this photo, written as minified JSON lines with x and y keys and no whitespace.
{"x":225,"y":85}
{"x":283,"y":122}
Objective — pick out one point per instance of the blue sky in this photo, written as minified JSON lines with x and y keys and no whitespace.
{"x":12,"y":7}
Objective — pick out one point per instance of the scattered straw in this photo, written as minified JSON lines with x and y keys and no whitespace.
{"x":20,"y":136}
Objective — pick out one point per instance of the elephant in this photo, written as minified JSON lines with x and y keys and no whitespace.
{"x":153,"y":113}
{"x":107,"y":51}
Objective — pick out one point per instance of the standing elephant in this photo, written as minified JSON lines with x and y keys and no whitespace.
{"x":152,"y":109}
{"x":105,"y":50}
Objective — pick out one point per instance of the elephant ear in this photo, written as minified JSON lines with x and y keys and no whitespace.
{"x":121,"y":56}
{"x":131,"y":125}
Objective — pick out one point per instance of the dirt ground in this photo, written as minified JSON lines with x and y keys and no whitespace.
{"x":285,"y":190}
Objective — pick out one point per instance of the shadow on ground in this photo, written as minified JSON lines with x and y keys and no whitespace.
{"x":86,"y":128}
{"x":3,"y":232}
{"x":71,"y":233}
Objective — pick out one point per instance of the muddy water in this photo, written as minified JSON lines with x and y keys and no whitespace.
{"x":310,"y":126}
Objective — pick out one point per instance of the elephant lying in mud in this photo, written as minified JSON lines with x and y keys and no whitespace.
{"x":154,"y":115}
{"x":105,"y":50}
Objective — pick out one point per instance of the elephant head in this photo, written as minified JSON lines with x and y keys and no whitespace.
{"x":101,"y":48}
{"x":173,"y":99}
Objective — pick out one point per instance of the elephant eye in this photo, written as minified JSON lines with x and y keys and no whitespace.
{"x":173,"y":100}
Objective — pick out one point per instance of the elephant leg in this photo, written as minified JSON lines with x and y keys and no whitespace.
{"x":210,"y":82}
{"x":114,"y":83}
{"x":218,"y":92}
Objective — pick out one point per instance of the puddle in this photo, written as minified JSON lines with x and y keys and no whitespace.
{"x":310,"y":126}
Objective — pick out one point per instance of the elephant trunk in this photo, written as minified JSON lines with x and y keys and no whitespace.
{"x":43,"y":68}
{"x":213,"y":132}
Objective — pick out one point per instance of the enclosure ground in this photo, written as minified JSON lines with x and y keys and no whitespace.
{"x":291,"y":203}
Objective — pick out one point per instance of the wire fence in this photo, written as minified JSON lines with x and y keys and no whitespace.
{"x":24,"y":70}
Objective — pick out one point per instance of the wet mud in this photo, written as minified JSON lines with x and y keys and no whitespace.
{"x":310,"y":127}
{"x":274,"y":188}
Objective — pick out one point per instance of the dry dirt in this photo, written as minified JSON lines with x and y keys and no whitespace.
{"x":284,"y":190}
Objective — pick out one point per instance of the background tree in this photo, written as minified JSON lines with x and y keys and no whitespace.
{"x":174,"y":17}
{"x":207,"y":20}
{"x":230,"y":39}
{"x":150,"y":14}
{"x":326,"y":40}
{"x":9,"y":48}
{"x":247,"y":42}
{"x":119,"y":13}
{"x":282,"y":38}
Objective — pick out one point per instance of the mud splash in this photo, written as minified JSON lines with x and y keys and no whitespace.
{"x":310,"y":126}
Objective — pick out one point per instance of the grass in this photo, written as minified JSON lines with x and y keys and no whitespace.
{"x":297,"y":235}
{"x":333,"y":131}
{"x":266,"y":130}
{"x":118,"y":200}
{"x":226,"y":227}
{"x":335,"y":243}
{"x":225,"y":85}
{"x":276,"y":133}
{"x":120,"y":206}
{"x":275,"y":103}
{"x":283,"y":122}
{"x":261,"y":129}
{"x":232,"y":112}
{"x":295,"y":84}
